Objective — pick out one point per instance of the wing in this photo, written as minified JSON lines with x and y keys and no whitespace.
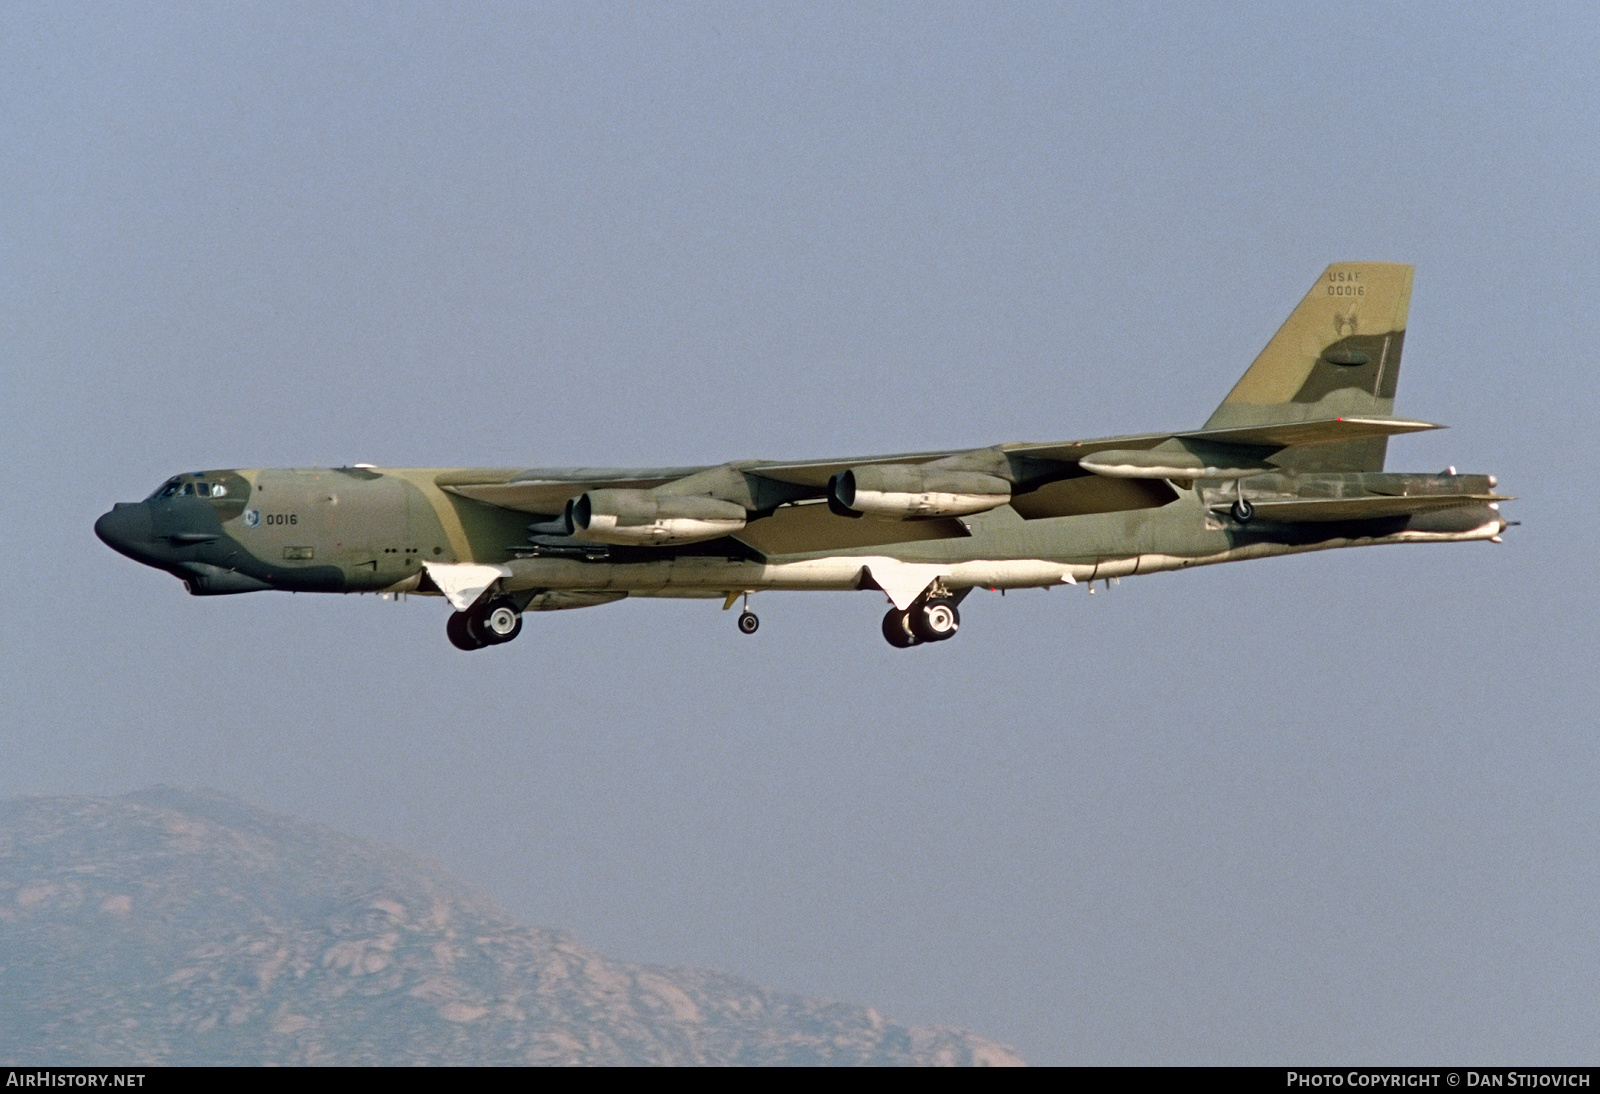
{"x":546,"y":490}
{"x":774,"y":507}
{"x":768,"y":508}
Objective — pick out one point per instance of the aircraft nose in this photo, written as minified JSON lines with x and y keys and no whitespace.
{"x":126,"y":529}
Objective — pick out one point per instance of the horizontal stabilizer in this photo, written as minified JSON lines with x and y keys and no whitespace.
{"x":1319,"y":431}
{"x":1292,"y":510}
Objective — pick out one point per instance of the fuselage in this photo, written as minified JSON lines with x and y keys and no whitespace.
{"x":360,"y":529}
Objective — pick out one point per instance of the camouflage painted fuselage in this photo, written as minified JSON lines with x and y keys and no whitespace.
{"x":1292,"y":461}
{"x":369,"y":530}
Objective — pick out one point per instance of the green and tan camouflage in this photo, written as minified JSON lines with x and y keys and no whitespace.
{"x":1292,"y":461}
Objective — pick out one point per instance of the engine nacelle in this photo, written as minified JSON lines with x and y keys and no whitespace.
{"x":638,"y":518}
{"x":900,"y":491}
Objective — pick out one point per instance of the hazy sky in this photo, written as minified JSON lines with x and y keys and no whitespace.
{"x":1333,"y":808}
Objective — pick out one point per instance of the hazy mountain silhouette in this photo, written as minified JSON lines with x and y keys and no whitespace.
{"x":177,"y":927}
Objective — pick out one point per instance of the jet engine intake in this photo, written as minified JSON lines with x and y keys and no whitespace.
{"x":639,"y":518}
{"x":901,"y":491}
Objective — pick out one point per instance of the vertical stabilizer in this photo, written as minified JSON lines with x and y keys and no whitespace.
{"x":1337,"y":355}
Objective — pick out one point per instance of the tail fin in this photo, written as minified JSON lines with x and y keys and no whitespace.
{"x":1337,"y":355}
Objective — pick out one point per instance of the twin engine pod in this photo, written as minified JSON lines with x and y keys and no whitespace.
{"x":644,"y":518}
{"x":639,"y":518}
{"x":904,"y":491}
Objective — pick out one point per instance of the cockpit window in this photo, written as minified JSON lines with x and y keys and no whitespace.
{"x":173,"y":488}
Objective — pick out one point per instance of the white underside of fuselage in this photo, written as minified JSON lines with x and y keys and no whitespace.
{"x":902,"y":581}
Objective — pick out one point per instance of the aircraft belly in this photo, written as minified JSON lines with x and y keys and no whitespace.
{"x":1463,"y":525}
{"x":1080,"y":549}
{"x":689,"y":576}
{"x":702,"y":577}
{"x":1002,"y":552}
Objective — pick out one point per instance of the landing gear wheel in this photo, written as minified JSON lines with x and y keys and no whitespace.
{"x":498,"y":622}
{"x":748,"y":623}
{"x":935,"y":621}
{"x":1242,"y":511}
{"x":897,"y":629}
{"x":459,"y":630}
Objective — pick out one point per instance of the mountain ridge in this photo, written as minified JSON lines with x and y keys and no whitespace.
{"x":174,"y":926}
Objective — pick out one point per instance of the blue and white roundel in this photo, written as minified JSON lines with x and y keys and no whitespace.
{"x":252,"y":517}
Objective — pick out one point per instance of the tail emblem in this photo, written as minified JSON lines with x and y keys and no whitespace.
{"x":1340,"y":322}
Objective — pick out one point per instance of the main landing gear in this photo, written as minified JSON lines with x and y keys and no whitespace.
{"x":928,"y":621}
{"x":484,"y":625}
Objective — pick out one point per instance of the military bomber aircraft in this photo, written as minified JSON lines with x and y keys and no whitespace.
{"x":1291,"y":461}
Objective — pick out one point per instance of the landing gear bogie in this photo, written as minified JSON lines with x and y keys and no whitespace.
{"x":499,"y":622}
{"x":929,"y":621}
{"x":935,"y":620}
{"x":897,"y":630}
{"x":458,"y":628}
{"x":748,"y":622}
{"x":490,"y":624}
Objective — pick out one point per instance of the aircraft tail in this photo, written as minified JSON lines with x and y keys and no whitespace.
{"x":1337,"y":356}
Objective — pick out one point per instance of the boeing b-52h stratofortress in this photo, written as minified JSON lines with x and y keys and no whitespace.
{"x":1291,"y":461}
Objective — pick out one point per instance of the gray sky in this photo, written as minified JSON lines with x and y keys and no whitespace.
{"x":1334,"y":808}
